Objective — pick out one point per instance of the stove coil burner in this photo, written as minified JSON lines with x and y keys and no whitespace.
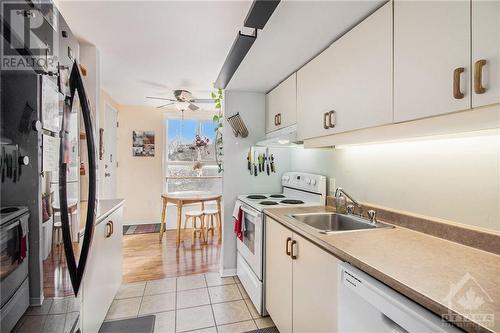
{"x":7,"y":210}
{"x":277,"y":196}
{"x":256,"y":196}
{"x":268,"y":203}
{"x":292,"y":202}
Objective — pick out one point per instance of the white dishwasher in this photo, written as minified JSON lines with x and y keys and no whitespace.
{"x":367,"y":305}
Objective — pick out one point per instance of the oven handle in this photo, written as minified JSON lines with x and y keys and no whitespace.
{"x":10,"y":226}
{"x":249,"y":212}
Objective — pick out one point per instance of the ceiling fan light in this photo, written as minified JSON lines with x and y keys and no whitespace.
{"x":181,"y":106}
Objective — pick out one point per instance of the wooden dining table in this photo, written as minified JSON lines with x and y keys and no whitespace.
{"x":185,"y":198}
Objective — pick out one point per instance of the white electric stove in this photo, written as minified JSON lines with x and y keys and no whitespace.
{"x":298,"y":189}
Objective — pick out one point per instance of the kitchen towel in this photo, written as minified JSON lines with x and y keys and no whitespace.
{"x":238,"y":215}
{"x":237,"y":225}
{"x":236,"y":209}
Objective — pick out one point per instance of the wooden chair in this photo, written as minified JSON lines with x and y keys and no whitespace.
{"x":195,"y":216}
{"x":212,"y":221}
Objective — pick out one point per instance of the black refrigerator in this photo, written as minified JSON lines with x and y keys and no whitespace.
{"x":43,"y":103}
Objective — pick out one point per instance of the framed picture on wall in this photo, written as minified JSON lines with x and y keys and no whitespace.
{"x":143,"y":143}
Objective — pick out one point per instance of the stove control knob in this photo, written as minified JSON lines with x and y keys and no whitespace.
{"x":313,"y":181}
{"x":286,"y":178}
{"x":308,"y":181}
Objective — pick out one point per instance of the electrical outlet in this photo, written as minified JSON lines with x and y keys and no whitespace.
{"x":331,"y":186}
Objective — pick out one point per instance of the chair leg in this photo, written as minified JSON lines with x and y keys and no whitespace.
{"x":193,"y":235}
{"x":202,"y":229}
{"x":212,"y":225}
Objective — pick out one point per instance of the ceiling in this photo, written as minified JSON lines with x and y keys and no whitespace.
{"x":295,"y":33}
{"x":153,"y":47}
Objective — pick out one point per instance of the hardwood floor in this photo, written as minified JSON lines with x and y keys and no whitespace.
{"x":56,"y":280}
{"x":145,"y":258}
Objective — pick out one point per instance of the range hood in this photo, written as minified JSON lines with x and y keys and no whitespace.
{"x":285,"y":137}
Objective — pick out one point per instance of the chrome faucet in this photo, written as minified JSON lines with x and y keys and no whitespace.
{"x":372,"y":215}
{"x":349,"y":208}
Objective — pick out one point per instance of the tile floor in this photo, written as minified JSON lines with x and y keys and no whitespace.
{"x":56,"y":315}
{"x":201,"y":303}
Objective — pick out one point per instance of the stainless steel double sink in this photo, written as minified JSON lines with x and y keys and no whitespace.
{"x":332,"y":222}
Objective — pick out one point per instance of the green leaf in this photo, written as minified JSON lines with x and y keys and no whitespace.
{"x":219,"y":91}
{"x":216,"y":100}
{"x":214,"y":96}
{"x":215,"y":118}
{"x":217,"y":105}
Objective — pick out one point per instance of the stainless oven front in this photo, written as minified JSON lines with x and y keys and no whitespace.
{"x":13,"y":267}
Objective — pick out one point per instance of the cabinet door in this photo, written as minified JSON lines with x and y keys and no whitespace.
{"x":353,"y":78}
{"x":278,"y":276}
{"x":282,"y":101}
{"x":314,"y":288}
{"x":486,"y":46}
{"x":431,"y":41}
{"x":103,"y":274}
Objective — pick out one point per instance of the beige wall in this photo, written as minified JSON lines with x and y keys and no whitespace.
{"x":139,"y":178}
{"x":455,"y":179}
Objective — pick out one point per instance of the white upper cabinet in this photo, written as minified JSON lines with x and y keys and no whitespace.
{"x":485,"y":52}
{"x":431,"y":58}
{"x":349,"y":85}
{"x":281,"y":105}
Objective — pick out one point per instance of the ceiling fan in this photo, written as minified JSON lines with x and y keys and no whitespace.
{"x":183,"y":100}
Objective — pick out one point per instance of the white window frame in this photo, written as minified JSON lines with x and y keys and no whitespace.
{"x":200,"y":115}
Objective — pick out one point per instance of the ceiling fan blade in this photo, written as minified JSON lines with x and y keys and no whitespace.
{"x":192,"y":107}
{"x":162,"y":106}
{"x":202,"y":100}
{"x":161,"y":98}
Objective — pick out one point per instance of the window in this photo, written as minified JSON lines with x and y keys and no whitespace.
{"x":191,"y":140}
{"x":190,"y":155}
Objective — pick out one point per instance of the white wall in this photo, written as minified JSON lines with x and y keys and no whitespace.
{"x":454,"y":179}
{"x":237,"y":179}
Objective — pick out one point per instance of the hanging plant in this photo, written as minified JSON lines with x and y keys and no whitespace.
{"x":218,"y":119}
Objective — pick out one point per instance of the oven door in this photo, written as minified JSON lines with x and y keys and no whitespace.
{"x":250,"y":248}
{"x":13,"y":267}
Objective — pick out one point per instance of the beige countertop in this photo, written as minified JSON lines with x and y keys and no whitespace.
{"x":434,"y":272}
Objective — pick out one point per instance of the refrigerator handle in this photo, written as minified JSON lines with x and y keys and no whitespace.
{"x":77,"y":271}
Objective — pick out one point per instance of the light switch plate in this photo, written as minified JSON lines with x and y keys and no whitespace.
{"x":331,"y":186}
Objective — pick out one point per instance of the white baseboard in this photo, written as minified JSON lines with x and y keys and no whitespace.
{"x":228,"y":272}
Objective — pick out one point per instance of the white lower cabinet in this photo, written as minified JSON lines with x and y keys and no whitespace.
{"x":103,"y":274}
{"x":278,"y":275}
{"x":301,"y":282}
